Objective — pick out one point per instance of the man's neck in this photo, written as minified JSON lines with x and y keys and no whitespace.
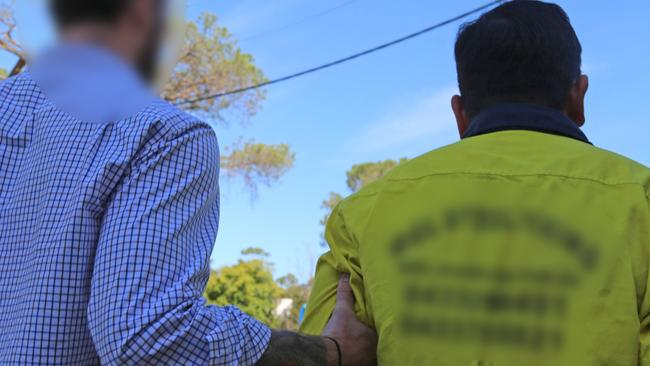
{"x":100,"y":35}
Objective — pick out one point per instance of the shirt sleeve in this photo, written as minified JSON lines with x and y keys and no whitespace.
{"x":341,"y":258}
{"x":152,"y":265}
{"x":644,"y":308}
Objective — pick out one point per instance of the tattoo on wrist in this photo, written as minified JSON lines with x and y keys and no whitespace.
{"x":292,"y":349}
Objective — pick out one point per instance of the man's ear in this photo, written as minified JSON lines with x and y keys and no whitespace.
{"x":459,"y":112}
{"x":576,"y":102}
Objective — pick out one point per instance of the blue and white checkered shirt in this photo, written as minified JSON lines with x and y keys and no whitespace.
{"x":109,"y":207}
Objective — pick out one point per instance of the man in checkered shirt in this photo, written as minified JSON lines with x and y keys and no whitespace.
{"x":109,"y":207}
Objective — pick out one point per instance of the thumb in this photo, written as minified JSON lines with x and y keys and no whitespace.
{"x":344,"y":295}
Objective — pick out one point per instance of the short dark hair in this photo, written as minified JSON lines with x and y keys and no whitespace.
{"x":68,"y":12}
{"x":523,"y":51}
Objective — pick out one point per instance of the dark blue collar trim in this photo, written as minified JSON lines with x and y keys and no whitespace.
{"x":506,"y":117}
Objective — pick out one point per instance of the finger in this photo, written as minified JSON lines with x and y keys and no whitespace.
{"x":344,"y":295}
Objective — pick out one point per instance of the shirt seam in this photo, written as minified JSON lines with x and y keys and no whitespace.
{"x":151,"y":153}
{"x":504,"y":174}
{"x":611,"y":183}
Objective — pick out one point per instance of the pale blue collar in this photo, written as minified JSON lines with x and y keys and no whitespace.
{"x":90,"y":83}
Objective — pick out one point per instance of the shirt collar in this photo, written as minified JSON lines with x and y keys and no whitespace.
{"x":505,"y":117}
{"x":90,"y":82}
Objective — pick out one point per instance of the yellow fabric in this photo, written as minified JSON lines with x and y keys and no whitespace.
{"x":511,"y":248}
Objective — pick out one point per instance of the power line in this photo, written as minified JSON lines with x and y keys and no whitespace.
{"x":343,"y":60}
{"x":298,"y":22}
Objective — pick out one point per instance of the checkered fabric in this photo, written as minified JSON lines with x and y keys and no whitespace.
{"x":107,"y":225}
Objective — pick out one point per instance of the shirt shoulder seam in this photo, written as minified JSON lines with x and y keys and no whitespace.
{"x":507,"y":174}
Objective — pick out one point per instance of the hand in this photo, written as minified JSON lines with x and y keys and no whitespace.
{"x":358,"y":342}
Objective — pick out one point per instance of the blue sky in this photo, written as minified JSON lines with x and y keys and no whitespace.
{"x":392,"y":104}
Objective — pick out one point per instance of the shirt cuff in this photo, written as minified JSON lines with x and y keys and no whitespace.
{"x":238,"y":339}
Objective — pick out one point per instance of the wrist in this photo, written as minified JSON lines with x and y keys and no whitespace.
{"x":292,"y":349}
{"x":332,"y":352}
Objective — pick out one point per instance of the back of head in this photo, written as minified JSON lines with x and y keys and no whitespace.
{"x":132,"y":29}
{"x":523,"y":51}
{"x":69,"y":12}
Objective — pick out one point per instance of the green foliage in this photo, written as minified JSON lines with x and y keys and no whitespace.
{"x":255,"y":251}
{"x":287,"y":281}
{"x":249,"y":285}
{"x":299,"y":294}
{"x":362,"y":174}
{"x":257,"y":163}
{"x":329,"y":205}
{"x":212,"y":63}
{"x":3,"y":74}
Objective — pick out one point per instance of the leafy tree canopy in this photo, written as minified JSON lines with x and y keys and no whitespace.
{"x":212,"y":63}
{"x":257,"y":163}
{"x":249,"y":285}
{"x":255,"y":251}
{"x":362,"y":174}
{"x":299,"y":294}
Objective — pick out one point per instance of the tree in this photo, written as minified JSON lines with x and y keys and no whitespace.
{"x":257,"y":163}
{"x":362,"y":174}
{"x":210,"y":63}
{"x":7,"y":41}
{"x":329,"y":205}
{"x":254,"y":251}
{"x":249,"y":285}
{"x":358,"y":177}
{"x":299,"y":294}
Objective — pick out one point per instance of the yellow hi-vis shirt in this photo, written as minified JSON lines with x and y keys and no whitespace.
{"x":514,"y":247}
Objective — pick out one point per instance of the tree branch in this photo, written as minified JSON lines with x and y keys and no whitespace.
{"x":7,"y":27}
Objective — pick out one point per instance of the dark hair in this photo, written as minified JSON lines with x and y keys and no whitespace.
{"x":523,"y":51}
{"x":68,"y":12}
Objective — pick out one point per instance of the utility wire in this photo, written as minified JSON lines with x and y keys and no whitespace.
{"x":343,"y":60}
{"x":298,"y":22}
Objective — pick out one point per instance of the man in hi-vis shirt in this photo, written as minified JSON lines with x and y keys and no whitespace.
{"x":522,"y":244}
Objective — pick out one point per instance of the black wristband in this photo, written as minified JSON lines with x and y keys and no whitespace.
{"x":338,"y":349}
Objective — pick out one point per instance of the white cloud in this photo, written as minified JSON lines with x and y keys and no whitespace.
{"x":422,"y":119}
